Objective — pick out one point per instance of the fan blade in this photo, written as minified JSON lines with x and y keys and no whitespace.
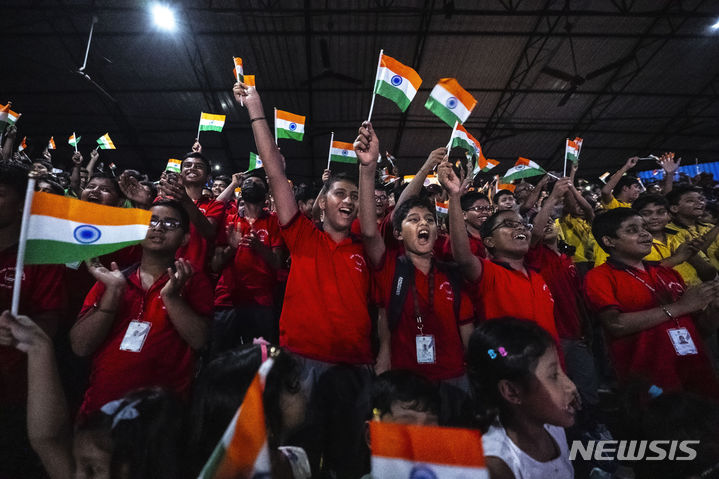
{"x":608,"y":67}
{"x":558,"y":74}
{"x":325,"y":53}
{"x":97,"y":87}
{"x":567,"y":96}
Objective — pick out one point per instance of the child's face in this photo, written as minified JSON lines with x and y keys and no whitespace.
{"x":478,"y":213}
{"x":690,"y":205}
{"x":419,"y":231}
{"x":552,"y":397}
{"x":633,"y":239}
{"x":511,"y":235}
{"x":405,"y":413}
{"x":506,"y":202}
{"x":656,"y":217}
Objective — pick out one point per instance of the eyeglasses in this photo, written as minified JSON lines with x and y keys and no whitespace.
{"x":381,"y":198}
{"x":513,"y":225}
{"x":478,"y":209}
{"x":166,"y":223}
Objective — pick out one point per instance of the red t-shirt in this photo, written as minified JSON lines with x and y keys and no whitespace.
{"x":650,"y":353}
{"x":249,"y":280}
{"x":439,"y":320}
{"x":475,"y":245}
{"x":560,"y":274}
{"x":198,"y":248}
{"x":42,"y":290}
{"x":165,"y":358}
{"x":325,"y":315}
{"x":504,"y":292}
{"x":386,"y":230}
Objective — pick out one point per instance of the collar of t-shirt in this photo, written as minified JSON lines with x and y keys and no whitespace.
{"x":509,"y":267}
{"x":264,"y":213}
{"x":616,"y":264}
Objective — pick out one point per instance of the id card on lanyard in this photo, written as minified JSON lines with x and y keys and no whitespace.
{"x":424,"y":343}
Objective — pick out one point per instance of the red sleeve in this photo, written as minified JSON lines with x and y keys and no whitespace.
{"x":599,"y":290}
{"x":533,"y":258}
{"x":297,"y":232}
{"x":275,"y":233}
{"x":214,"y":210}
{"x":47,"y":291}
{"x":199,"y":294}
{"x":488,"y":273}
{"x":221,"y":237}
{"x":92,"y":298}
{"x":466,"y":309}
{"x":382,"y":278}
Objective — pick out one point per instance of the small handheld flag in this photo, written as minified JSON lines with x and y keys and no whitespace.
{"x":442,"y":207}
{"x":23,"y":144}
{"x":51,"y":143}
{"x":450,"y":102}
{"x":174,"y":165}
{"x":7,"y":116}
{"x":341,"y":152}
{"x":238,"y":71}
{"x":396,"y":82}
{"x":571,"y":152}
{"x":255,"y":162}
{"x":523,"y":168}
{"x":289,"y":125}
{"x":105,"y":143}
{"x":210,"y":122}
{"x":74,"y":140}
{"x":461,"y":138}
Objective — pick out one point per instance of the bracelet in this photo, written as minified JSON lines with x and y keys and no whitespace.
{"x":252,"y":120}
{"x":666,"y":311}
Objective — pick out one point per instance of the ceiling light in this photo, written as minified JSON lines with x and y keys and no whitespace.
{"x":217,"y":167}
{"x":164,"y":17}
{"x":715,"y":26}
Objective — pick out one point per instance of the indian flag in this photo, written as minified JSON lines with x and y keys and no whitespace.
{"x":523,"y":168}
{"x":105,"y":142}
{"x":255,"y":162}
{"x":400,"y":450}
{"x":174,"y":165}
{"x":485,"y":164}
{"x":249,"y":80}
{"x":51,"y":143}
{"x":73,"y":140}
{"x":442,"y":207}
{"x":571,"y":150}
{"x":289,"y":125}
{"x":341,"y":152}
{"x":7,"y":115}
{"x":237,"y":70}
{"x":210,"y":122}
{"x":23,"y":144}
{"x":242,"y":452}
{"x":62,"y":230}
{"x":396,"y":82}
{"x":505,"y":186}
{"x":449,"y":101}
{"x":463,"y":139}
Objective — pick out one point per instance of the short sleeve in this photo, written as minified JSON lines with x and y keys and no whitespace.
{"x":48,"y":292}
{"x":466,"y":309}
{"x":215,"y":210}
{"x":275,"y":234}
{"x":599,"y":290}
{"x":92,"y":298}
{"x":199,"y":294}
{"x":297,"y":232}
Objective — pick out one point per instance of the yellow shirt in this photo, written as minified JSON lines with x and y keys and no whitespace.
{"x":577,"y":232}
{"x":615,"y":203}
{"x":662,"y":251}
{"x":687,"y":233}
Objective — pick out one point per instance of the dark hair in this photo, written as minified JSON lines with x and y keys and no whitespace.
{"x":152,"y":187}
{"x":468,"y":199}
{"x":646,"y":199}
{"x":199,"y":156}
{"x":283,"y":377}
{"x":401,"y":212}
{"x":174,"y":204}
{"x":485,"y":230}
{"x":303,"y":193}
{"x":379,"y":186}
{"x":14,"y":176}
{"x":407,"y":387}
{"x":607,"y":224}
{"x":55,"y":187}
{"x":224,"y":178}
{"x":106,"y":176}
{"x":339,"y":177}
{"x":149,"y":444}
{"x":626,"y":180}
{"x":674,"y":196}
{"x":501,"y":193}
{"x":43,"y":162}
{"x":218,"y":393}
{"x":259,"y":173}
{"x":523,"y":343}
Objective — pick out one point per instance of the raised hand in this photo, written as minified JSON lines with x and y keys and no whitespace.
{"x":172,"y":187}
{"x":234,"y":236}
{"x":112,"y":278}
{"x":197,"y":147}
{"x":366,"y":145}
{"x":178,"y":278}
{"x":22,"y":333}
{"x":436,"y":157}
{"x":666,"y":161}
{"x":245,"y":95}
{"x":133,"y":190}
{"x":11,"y":132}
{"x":326,"y":175}
{"x":77,"y":159}
{"x":94,"y":155}
{"x":449,"y":179}
{"x":631,"y":162}
{"x":251,"y":240}
{"x":560,"y":188}
{"x":238,"y":179}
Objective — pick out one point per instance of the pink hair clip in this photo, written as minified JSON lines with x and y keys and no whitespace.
{"x":502,"y":351}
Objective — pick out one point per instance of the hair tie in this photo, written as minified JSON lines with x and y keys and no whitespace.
{"x":493,"y":354}
{"x":263,"y":347}
{"x":655,"y":391}
{"x":127,"y":412}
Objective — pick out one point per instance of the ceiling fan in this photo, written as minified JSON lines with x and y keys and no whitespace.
{"x":327,"y":71}
{"x":576,"y":80}
{"x":81,"y":71}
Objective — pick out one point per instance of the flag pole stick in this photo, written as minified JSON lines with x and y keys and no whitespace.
{"x":449,"y":143}
{"x":74,"y":135}
{"x":329,"y":154}
{"x":20,"y":263}
{"x":197,"y":138}
{"x":275,"y":125}
{"x":565,"y":157}
{"x":389,"y":158}
{"x":242,"y":103}
{"x":371,"y":106}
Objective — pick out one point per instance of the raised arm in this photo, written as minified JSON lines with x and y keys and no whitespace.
{"x":316,"y":210}
{"x":533,"y":196}
{"x":229,"y":193}
{"x":540,"y":221}
{"x":470,"y":265}
{"x":608,"y":188}
{"x":268,"y":151}
{"x":670,"y":167}
{"x":10,"y":134}
{"x":415,"y":185}
{"x":367,"y":148}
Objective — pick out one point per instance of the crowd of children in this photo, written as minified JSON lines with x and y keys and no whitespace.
{"x":560,"y":311}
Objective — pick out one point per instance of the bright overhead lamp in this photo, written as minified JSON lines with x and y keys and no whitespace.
{"x":164,"y":17}
{"x":715,"y":26}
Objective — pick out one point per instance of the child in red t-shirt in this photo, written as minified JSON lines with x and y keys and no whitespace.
{"x":652,"y":320}
{"x":427,"y":336}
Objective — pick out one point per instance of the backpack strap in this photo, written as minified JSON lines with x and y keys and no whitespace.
{"x":403,"y":279}
{"x":451,"y":270}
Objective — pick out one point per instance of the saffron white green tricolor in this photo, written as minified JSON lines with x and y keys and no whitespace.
{"x":255,"y":162}
{"x":174,"y":165}
{"x":73,"y":140}
{"x":210,"y":122}
{"x":396,"y":82}
{"x":342,"y":152}
{"x":463,"y":139}
{"x":105,"y":142}
{"x":442,"y":207}
{"x":450,"y":102}
{"x":63,"y":230}
{"x":572,"y":149}
{"x":51,"y":143}
{"x":289,"y":125}
{"x":523,"y":168}
{"x":7,"y":115}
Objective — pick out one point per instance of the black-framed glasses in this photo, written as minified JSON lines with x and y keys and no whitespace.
{"x":166,"y":223}
{"x":480,"y":209}
{"x":513,"y":224}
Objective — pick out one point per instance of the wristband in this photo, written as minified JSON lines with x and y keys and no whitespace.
{"x":252,"y":120}
{"x":666,"y":311}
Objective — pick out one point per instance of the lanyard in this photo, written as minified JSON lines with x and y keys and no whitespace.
{"x":662,"y":301}
{"x":417,"y":310}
